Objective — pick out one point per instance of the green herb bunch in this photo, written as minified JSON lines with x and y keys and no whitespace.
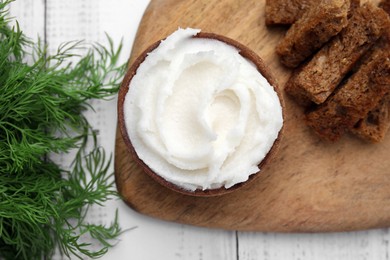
{"x":43,"y":207}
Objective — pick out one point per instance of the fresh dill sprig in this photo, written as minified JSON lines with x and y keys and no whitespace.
{"x":43,"y":206}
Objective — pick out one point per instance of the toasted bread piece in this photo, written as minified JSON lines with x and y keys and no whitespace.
{"x":285,"y":11}
{"x":318,"y":78}
{"x":320,"y":23}
{"x":385,"y":4}
{"x":375,"y":125}
{"x":352,"y":101}
{"x":353,"y":5}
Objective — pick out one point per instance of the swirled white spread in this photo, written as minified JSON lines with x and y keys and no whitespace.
{"x":199,"y":114}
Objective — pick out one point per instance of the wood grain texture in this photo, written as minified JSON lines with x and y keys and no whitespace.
{"x":362,"y":245}
{"x":32,"y":18}
{"x":312,"y":186}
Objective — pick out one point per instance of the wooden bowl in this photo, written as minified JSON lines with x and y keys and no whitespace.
{"x":243,"y":51}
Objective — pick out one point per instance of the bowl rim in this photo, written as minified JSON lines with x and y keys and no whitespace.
{"x":243,"y":51}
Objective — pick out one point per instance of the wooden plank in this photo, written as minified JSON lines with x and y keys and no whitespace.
{"x":373,"y":244}
{"x":31,"y":17}
{"x":154,"y":239}
{"x":313,"y":186}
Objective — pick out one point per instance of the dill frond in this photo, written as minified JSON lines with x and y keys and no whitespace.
{"x":42,"y":206}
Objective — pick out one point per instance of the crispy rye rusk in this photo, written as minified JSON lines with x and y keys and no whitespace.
{"x":320,"y":23}
{"x":385,"y":4}
{"x":375,"y":125}
{"x":353,"y":101}
{"x":286,"y":12}
{"x":316,"y":80}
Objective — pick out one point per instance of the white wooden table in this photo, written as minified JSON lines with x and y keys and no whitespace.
{"x":57,"y":21}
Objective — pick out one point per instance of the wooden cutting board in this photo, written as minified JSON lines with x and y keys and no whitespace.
{"x":312,"y":186}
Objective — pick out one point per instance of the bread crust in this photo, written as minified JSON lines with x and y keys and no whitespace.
{"x":318,"y":78}
{"x":375,"y":125}
{"x":285,"y":11}
{"x":385,"y":5}
{"x":320,"y":23}
{"x":362,"y":93}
